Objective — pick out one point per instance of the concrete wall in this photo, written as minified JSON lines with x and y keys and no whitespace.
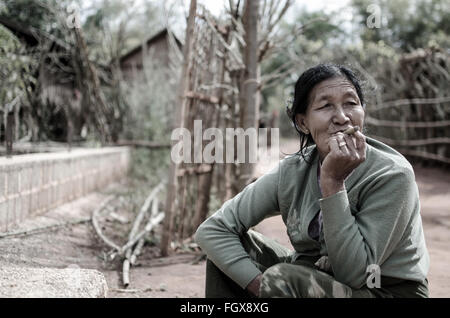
{"x":34,"y":183}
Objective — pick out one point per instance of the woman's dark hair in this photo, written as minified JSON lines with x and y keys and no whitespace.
{"x":306,"y":82}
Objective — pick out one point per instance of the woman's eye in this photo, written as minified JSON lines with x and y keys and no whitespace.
{"x":325,"y":106}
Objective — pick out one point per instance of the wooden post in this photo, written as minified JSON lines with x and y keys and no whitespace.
{"x":179,"y":120}
{"x":9,"y":134}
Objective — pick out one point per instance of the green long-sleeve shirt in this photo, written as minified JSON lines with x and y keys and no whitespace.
{"x":376,"y":220}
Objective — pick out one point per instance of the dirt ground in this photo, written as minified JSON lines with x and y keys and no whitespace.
{"x":182,"y":274}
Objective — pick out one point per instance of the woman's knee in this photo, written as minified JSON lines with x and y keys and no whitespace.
{"x":281,"y":280}
{"x":298,"y":281}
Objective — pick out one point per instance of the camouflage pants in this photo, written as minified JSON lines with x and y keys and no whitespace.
{"x":300,"y":279}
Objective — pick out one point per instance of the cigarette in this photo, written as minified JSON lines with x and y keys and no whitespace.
{"x":351,"y":130}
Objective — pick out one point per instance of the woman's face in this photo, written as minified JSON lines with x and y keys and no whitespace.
{"x":333,"y":107}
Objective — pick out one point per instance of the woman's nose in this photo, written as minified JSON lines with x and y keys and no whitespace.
{"x":340,"y":116}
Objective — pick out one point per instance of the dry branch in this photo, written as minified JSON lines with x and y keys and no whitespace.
{"x":97,"y":227}
{"x":137,"y":250}
{"x":143,"y":210}
{"x":222,"y":41}
{"x":130,"y":256}
{"x":152,"y":223}
{"x":41,"y":229}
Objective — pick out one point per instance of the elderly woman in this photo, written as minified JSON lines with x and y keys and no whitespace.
{"x":350,"y":205}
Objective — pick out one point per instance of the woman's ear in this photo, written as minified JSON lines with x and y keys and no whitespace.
{"x":301,"y":124}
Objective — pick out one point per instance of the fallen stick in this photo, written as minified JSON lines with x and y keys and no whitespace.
{"x":126,"y":270}
{"x":131,"y":291}
{"x":118,"y":218}
{"x":97,"y":228}
{"x":43,"y":228}
{"x":129,"y":259}
{"x":143,"y":210}
{"x":154,"y":207}
{"x":151,"y":223}
{"x":137,"y":250}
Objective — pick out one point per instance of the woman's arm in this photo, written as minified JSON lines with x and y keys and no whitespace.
{"x":219,"y":235}
{"x":370,"y":236}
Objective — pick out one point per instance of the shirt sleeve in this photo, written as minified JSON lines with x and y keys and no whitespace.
{"x":219,"y":235}
{"x":370,"y":235}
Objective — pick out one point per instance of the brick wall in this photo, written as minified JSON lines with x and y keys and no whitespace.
{"x":34,"y":183}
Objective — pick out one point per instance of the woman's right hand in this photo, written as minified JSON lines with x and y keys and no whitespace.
{"x":341,"y":161}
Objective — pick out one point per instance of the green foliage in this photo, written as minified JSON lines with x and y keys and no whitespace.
{"x":148,"y":165}
{"x":28,"y":13}
{"x":15,"y":68}
{"x":406,"y":24}
{"x":150,"y":99}
{"x":113,"y":27}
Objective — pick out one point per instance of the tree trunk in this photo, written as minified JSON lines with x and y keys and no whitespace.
{"x":249,"y":93}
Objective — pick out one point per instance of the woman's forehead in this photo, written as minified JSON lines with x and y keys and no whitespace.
{"x":332,"y":87}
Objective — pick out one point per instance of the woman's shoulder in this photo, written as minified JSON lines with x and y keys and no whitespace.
{"x":294,"y":169}
{"x":384,"y":159}
{"x":300,"y":159}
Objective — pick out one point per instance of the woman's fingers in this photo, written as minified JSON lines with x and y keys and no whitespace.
{"x":360,"y":144}
{"x":351,"y":146}
{"x":333,"y":143}
{"x":339,"y":145}
{"x":342,"y":144}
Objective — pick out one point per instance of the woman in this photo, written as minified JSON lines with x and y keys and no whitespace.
{"x":350,"y":205}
